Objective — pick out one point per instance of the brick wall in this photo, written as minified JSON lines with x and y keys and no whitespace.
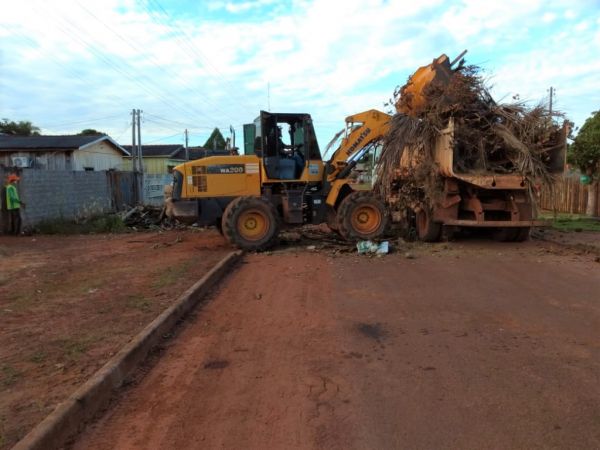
{"x":67,"y":194}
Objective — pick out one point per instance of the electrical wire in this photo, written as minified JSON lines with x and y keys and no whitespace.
{"x":187,"y":125}
{"x":99,"y":119}
{"x":141,"y":80}
{"x":162,"y":138}
{"x":196,"y":53}
{"x":153,"y":61}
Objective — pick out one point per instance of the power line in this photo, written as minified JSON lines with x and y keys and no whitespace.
{"x":163,"y":138}
{"x":151,"y":59}
{"x":34,"y":45}
{"x":184,"y":38}
{"x":188,"y":125}
{"x":84,"y":121}
{"x":141,"y":80}
{"x":123,"y":132}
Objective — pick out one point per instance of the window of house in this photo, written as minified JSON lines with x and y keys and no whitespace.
{"x":88,"y":169}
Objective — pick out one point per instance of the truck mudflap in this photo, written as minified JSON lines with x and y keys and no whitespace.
{"x":495,"y":223}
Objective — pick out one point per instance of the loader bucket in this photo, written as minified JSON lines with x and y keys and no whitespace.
{"x":412,"y":96}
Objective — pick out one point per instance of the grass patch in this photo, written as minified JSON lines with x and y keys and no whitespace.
{"x":107,"y":223}
{"x":10,"y":375}
{"x":572,"y":222}
{"x":20,"y":301}
{"x":139,"y":302}
{"x":172,"y":274}
{"x":73,"y":348}
{"x":38,"y":357}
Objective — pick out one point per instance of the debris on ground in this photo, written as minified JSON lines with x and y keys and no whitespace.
{"x":149,"y":217}
{"x":370,"y":247}
{"x":315,"y":238}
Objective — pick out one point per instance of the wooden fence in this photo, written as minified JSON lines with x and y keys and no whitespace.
{"x":570,"y":196}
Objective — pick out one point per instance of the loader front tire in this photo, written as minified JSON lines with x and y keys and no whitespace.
{"x":362,"y":216}
{"x":251,"y":223}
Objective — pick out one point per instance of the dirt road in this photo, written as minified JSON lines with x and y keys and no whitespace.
{"x":467,"y":345}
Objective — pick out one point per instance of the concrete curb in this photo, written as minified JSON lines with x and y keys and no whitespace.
{"x":70,"y":416}
{"x":577,"y":247}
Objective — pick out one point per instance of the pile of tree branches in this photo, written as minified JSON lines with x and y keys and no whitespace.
{"x":489,"y":138}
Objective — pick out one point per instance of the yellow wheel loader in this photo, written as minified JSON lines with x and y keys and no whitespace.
{"x":282,"y":180}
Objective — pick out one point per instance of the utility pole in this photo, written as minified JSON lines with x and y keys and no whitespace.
{"x":140,"y":155}
{"x":187,"y":153}
{"x":133,"y":144}
{"x":551,"y":98}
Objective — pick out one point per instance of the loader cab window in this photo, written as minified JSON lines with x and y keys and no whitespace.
{"x":285,"y":145}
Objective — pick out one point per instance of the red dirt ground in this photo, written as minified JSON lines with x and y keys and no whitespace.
{"x":458,"y":345}
{"x":68,"y":303}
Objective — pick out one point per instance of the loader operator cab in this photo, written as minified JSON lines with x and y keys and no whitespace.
{"x":285,"y":142}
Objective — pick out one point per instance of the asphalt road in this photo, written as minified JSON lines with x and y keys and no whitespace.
{"x":468,"y":345}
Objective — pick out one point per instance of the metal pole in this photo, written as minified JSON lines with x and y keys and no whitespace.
{"x":551,"y":95}
{"x":187,"y":153}
{"x":140,"y":155}
{"x":133,"y":145}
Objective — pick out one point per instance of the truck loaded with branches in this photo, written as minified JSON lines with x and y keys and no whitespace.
{"x":454,"y":158}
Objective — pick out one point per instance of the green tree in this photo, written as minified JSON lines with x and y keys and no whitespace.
{"x":216,"y":141}
{"x":585,"y":154}
{"x":90,"y":132}
{"x":21,"y":128}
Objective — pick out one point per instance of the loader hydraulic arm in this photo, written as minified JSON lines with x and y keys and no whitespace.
{"x":362,"y":129}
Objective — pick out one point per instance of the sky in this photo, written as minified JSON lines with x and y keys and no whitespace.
{"x":68,"y":65}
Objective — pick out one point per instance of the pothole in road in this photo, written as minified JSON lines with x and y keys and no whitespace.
{"x":371,"y":330}
{"x":216,"y":364}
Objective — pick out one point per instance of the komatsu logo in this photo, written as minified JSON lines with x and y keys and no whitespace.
{"x":361,"y":137}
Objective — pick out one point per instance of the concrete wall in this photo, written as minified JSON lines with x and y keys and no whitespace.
{"x":74,"y":194}
{"x":154,"y":185}
{"x":66,"y":194}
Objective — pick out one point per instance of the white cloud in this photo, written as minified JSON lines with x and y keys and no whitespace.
{"x":68,"y":60}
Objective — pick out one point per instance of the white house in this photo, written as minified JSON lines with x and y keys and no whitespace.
{"x":78,"y":152}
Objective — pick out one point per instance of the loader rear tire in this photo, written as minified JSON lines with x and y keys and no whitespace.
{"x":427,"y":229}
{"x":362,"y":216}
{"x":251,"y":223}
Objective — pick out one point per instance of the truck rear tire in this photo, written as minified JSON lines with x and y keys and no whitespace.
{"x":251,"y":223}
{"x":427,"y":229}
{"x":505,"y":234}
{"x":522,"y":234}
{"x":362,"y":216}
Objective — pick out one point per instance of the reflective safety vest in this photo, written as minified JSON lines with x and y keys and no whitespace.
{"x":12,"y":197}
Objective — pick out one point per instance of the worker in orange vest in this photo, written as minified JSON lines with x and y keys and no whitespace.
{"x":13,"y":205}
